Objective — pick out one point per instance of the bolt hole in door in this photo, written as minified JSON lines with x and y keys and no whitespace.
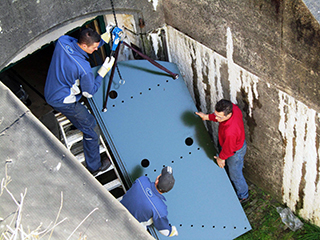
{"x":189,"y":141}
{"x":113,"y":94}
{"x":145,"y":163}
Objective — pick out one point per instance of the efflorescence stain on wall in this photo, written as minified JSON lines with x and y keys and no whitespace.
{"x":298,"y":128}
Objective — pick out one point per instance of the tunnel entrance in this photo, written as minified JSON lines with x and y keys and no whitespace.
{"x":27,"y":77}
{"x":31,"y":71}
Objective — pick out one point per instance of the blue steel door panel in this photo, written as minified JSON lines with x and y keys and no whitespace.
{"x":151,"y":120}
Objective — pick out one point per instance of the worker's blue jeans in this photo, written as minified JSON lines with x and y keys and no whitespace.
{"x":235,"y":165}
{"x":80,"y":117}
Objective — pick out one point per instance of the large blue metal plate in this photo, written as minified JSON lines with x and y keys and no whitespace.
{"x":152,"y":121}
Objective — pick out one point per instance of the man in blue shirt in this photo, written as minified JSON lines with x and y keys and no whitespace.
{"x":145,"y":201}
{"x":69,"y":78}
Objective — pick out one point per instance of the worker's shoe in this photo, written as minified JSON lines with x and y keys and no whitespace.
{"x":105,"y":164}
{"x":244,"y":200}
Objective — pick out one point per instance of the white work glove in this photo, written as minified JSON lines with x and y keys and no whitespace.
{"x":110,"y":26}
{"x":106,"y":66}
{"x":174,"y":231}
{"x":107,"y":35}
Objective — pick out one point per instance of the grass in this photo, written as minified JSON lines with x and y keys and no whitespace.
{"x":266,"y":222}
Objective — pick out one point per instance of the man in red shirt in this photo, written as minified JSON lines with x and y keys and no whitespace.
{"x":232,"y":141}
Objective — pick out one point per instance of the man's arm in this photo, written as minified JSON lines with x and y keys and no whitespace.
{"x":203,"y":116}
{"x":207,"y":117}
{"x":221,"y":162}
{"x":228,"y":150}
{"x":90,"y":84}
{"x":163,"y":226}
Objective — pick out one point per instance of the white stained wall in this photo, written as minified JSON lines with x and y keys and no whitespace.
{"x":297,"y":121}
{"x":301,"y":161}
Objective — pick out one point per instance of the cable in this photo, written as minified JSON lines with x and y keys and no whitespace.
{"x":116,"y":22}
{"x":114,"y":13}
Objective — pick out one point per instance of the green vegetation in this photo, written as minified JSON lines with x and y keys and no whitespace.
{"x":266,"y":222}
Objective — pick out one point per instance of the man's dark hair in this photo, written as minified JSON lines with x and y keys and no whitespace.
{"x":160,"y":190}
{"x":88,"y":37}
{"x":224,"y":106}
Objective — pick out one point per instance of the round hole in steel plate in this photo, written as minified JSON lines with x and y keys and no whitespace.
{"x":113,"y":94}
{"x":189,"y":141}
{"x":145,"y":163}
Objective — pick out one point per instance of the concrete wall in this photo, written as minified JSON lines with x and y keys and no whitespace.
{"x":261,"y":54}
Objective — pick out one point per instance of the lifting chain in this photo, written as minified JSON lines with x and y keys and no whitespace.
{"x":116,"y":22}
{"x":114,"y":13}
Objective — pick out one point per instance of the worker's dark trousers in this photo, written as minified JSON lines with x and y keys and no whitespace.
{"x":80,"y":117}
